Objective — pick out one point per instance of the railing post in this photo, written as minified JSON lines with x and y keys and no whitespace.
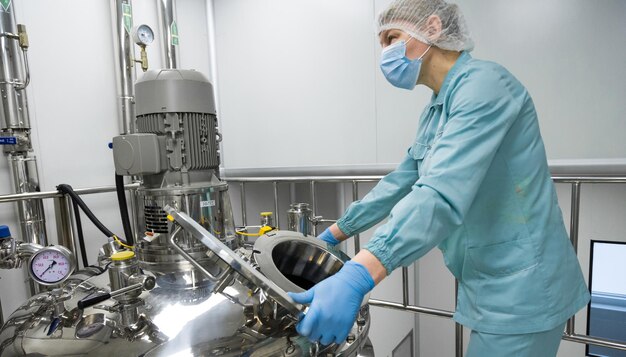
{"x":242,"y":195}
{"x":276,"y":214}
{"x":313,"y":207}
{"x":458,"y":328}
{"x":405,"y":286}
{"x":355,"y":197}
{"x":573,"y":234}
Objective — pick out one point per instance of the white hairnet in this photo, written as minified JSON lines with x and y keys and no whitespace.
{"x":411,"y":16}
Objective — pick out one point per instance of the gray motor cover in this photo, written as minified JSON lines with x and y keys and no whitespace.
{"x":138,"y":154}
{"x":174,"y":91}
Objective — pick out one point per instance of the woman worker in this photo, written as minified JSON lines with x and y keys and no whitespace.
{"x":475,"y":184}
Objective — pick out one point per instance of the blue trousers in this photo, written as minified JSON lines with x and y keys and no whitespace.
{"x":540,"y":344}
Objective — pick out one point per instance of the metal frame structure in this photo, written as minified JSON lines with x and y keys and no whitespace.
{"x":575,"y":181}
{"x":65,"y":227}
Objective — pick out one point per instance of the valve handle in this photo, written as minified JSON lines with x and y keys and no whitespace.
{"x":92,"y":300}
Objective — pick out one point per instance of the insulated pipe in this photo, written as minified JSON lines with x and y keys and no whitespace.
{"x":124,"y":50}
{"x":169,"y":33}
{"x":14,"y":103}
{"x":30,"y":213}
{"x":15,"y":124}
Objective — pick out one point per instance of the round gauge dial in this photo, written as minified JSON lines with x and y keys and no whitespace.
{"x":143,"y":35}
{"x":90,"y":325}
{"x":51,"y":265}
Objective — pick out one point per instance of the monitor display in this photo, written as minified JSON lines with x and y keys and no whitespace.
{"x":607,"y":310}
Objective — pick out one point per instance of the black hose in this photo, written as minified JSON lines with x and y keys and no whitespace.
{"x":67,"y":189}
{"x":81,"y":237}
{"x":121,"y":199}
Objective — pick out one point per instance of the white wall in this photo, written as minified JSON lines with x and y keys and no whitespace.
{"x":308,"y":70}
{"x":73,"y":101}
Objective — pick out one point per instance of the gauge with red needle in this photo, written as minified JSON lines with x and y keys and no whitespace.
{"x":51,"y":265}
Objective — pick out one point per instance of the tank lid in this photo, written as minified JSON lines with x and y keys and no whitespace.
{"x":5,"y":232}
{"x":125,"y":255}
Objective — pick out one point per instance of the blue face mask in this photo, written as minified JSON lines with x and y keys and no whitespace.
{"x":397,"y":68}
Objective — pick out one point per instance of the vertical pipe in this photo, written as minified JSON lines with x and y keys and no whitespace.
{"x":405,"y":286}
{"x":134,"y":213}
{"x":313,"y":208}
{"x":65,"y":224}
{"x":169,"y":33}
{"x":575,"y":215}
{"x":1,"y":316}
{"x":573,"y":234}
{"x":458,"y":328}
{"x":31,"y":212}
{"x":355,"y":196}
{"x":244,"y":219}
{"x":275,"y":183}
{"x":15,"y":113}
{"x":124,"y":51}
{"x":15,"y":122}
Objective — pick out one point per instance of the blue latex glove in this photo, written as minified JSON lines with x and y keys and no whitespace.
{"x":334,"y":304}
{"x":328,"y":237}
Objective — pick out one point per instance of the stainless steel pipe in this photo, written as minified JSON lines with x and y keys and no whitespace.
{"x":15,"y":122}
{"x":169,"y":33}
{"x":124,"y":51}
{"x":30,"y":213}
{"x":65,"y":225}
{"x":54,"y":194}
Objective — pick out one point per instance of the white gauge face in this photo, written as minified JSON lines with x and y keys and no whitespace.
{"x":51,"y":265}
{"x":143,"y":35}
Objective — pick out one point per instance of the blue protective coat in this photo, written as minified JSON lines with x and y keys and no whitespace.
{"x":476,"y":184}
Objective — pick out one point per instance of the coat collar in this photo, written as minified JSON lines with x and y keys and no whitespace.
{"x":437,"y":99}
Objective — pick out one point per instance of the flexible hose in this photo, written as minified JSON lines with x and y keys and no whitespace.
{"x":81,"y":237}
{"x":67,"y":189}
{"x":121,"y":199}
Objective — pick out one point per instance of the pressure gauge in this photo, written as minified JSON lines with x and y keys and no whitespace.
{"x":143,"y":35}
{"x":91,"y":325}
{"x":51,"y":265}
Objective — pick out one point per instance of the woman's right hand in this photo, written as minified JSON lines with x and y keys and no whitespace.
{"x":328,"y":237}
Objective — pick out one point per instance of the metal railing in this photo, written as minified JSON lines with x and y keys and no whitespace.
{"x":65,"y":220}
{"x":64,"y":216}
{"x":576,"y":183}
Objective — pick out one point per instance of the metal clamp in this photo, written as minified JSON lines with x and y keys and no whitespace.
{"x":236,"y":263}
